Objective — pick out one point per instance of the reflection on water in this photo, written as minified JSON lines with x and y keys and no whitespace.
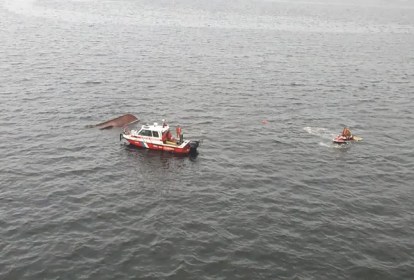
{"x":273,"y":15}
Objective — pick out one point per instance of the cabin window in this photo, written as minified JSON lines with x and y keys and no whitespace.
{"x":145,"y":132}
{"x":155,"y":134}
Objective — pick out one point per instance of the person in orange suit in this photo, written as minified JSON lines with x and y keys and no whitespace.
{"x":178,"y":131}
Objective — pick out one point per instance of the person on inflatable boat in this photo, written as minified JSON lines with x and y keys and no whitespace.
{"x":346,"y":134}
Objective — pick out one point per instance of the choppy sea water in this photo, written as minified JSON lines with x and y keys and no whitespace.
{"x":264,"y":84}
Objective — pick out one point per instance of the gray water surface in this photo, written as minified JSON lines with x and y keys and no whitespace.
{"x":264,"y":84}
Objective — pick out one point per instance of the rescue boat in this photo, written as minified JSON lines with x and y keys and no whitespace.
{"x":159,"y":137}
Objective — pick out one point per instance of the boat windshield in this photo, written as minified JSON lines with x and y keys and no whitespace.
{"x":145,"y":132}
{"x":150,"y":133}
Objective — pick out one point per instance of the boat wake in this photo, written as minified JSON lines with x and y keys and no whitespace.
{"x":320,"y":131}
{"x":332,"y":145}
{"x":323,"y":144}
{"x":324,"y":134}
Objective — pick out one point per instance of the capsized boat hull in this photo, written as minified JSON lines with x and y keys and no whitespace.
{"x":117,"y":122}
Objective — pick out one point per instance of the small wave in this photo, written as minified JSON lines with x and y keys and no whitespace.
{"x":92,"y":83}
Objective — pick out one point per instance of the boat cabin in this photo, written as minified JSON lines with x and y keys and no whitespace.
{"x":155,"y":132}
